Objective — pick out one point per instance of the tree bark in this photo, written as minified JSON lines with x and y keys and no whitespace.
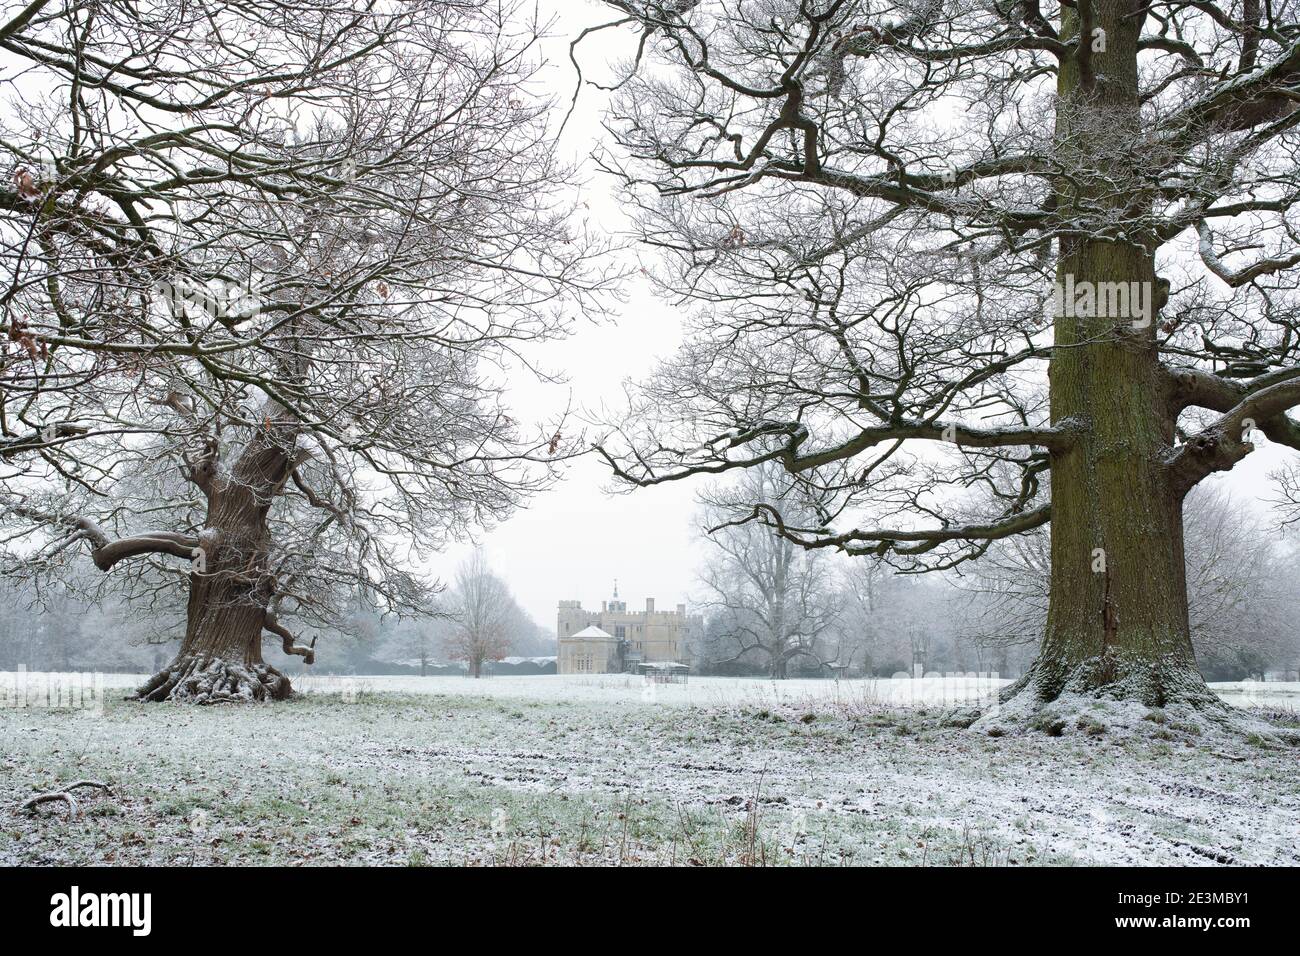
{"x":1117,"y":622}
{"x":220,"y":658}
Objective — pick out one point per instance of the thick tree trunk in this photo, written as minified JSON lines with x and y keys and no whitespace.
{"x":220,"y":658}
{"x":1117,"y":623}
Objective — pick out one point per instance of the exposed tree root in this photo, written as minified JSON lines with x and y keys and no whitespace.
{"x":214,"y":680}
{"x":1113,"y":677}
{"x":1097,"y":698}
{"x":63,"y":796}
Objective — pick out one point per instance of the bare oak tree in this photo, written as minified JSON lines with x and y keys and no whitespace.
{"x":268,"y":269}
{"x":953,"y":251}
{"x":483,"y":615}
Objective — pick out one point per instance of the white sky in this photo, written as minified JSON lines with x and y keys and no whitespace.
{"x":575,"y":539}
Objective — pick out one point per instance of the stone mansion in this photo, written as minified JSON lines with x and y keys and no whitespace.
{"x":615,"y":640}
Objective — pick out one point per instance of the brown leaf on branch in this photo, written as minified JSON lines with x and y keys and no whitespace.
{"x":26,"y":184}
{"x":18,"y":333}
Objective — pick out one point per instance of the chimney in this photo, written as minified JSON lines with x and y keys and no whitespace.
{"x":604,"y":606}
{"x":681,"y":609}
{"x":649,"y":605}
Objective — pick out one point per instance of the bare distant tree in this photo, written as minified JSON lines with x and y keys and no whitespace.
{"x":1043,"y":250}
{"x":861,"y":628}
{"x":771,"y":598}
{"x":270,"y":266}
{"x":418,"y":639}
{"x":1010,"y":587}
{"x":868,"y":627}
{"x":483,"y":615}
{"x":891,"y":622}
{"x":1287,"y":503}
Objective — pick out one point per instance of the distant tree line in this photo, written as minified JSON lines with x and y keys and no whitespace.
{"x":73,"y":626}
{"x":776,"y":609}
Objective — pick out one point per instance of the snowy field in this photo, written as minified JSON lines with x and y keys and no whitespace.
{"x":608,"y":769}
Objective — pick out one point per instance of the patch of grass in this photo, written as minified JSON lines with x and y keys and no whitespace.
{"x":1049,"y":724}
{"x":181,"y":805}
{"x":1091,"y":725}
{"x":1281,"y":716}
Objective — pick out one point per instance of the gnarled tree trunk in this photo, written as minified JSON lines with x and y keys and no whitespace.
{"x":231,"y":588}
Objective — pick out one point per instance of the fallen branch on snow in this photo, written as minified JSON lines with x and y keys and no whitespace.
{"x":64,"y":795}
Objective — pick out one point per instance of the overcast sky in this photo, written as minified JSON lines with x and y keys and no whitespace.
{"x":575,"y":539}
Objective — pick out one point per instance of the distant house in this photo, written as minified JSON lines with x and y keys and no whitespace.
{"x":615,"y":640}
{"x":589,"y":651}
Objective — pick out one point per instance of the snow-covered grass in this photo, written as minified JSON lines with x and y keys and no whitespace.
{"x":610,"y":770}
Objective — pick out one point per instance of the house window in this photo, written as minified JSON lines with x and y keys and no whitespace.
{"x":620,"y":632}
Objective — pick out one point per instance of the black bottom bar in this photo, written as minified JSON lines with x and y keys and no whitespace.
{"x":957,"y":904}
